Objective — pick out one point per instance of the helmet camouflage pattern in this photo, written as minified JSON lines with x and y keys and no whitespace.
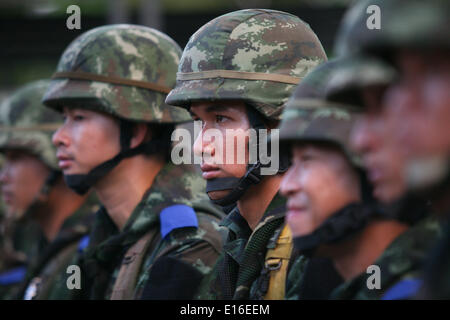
{"x":123,"y":70}
{"x":355,"y":73}
{"x":412,"y":24}
{"x":253,"y":55}
{"x":310,"y":117}
{"x":26,"y":124}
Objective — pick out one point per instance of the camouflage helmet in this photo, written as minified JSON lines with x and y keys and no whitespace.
{"x":123,"y":70}
{"x":355,"y":73}
{"x":310,"y":117}
{"x":412,"y":24}
{"x":253,"y":55}
{"x":26,"y":124}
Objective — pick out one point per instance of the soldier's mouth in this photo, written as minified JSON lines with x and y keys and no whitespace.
{"x":64,"y":161}
{"x":209,"y":172}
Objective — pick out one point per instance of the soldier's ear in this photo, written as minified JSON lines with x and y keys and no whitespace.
{"x":141,"y":133}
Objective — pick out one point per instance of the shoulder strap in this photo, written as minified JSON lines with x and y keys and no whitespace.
{"x":277,"y":261}
{"x":125,"y":283}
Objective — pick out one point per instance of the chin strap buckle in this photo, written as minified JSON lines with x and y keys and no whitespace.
{"x":251,"y":175}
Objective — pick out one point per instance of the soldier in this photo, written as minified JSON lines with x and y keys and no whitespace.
{"x":414,"y":108}
{"x":236,"y":73}
{"x":331,"y":210}
{"x":32,"y":186}
{"x":153,"y":238}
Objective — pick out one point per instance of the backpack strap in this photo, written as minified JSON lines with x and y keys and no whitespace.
{"x":277,"y":261}
{"x":172,"y":217}
{"x":125,"y":283}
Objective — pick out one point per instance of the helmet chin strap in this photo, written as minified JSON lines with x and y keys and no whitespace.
{"x":340,"y":226}
{"x":238,"y":186}
{"x":81,"y":183}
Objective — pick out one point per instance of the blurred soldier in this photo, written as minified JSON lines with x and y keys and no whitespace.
{"x":33,"y":186}
{"x":331,"y":210}
{"x":236,"y":73}
{"x":152,"y":238}
{"x":415,"y":107}
{"x":361,"y":81}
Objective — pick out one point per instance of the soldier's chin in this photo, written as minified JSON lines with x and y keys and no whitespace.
{"x":216,"y":195}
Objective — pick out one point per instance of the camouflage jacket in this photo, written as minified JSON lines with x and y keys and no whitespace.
{"x":295,"y":277}
{"x":19,"y":242}
{"x":437,"y":271}
{"x":311,"y":279}
{"x":46,"y":274}
{"x":402,"y":259}
{"x":179,"y":254}
{"x":23,"y":240}
{"x":240,"y":271}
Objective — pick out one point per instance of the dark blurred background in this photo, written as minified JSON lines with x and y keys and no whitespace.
{"x":33,"y":33}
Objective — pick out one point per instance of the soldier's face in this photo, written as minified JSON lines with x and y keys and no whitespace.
{"x":220,"y":116}
{"x":22,"y":177}
{"x":85,"y":140}
{"x":419,"y":103}
{"x":319,"y":182}
{"x":371,"y":138}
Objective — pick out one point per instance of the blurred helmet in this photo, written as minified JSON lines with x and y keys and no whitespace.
{"x":26,"y":124}
{"x":412,"y":24}
{"x":310,"y":117}
{"x":355,"y":73}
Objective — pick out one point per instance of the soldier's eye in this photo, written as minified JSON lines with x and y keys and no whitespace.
{"x":220,"y":118}
{"x":78,"y":117}
{"x":307,"y":157}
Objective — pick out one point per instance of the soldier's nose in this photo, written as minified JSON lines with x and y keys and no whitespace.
{"x":203,"y":147}
{"x":60,"y":137}
{"x":361,"y":136}
{"x":289,"y":183}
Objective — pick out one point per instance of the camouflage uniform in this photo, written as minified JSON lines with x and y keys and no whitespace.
{"x":27,"y":125}
{"x":126,"y":71}
{"x":47,"y":275}
{"x":423,"y":26}
{"x":401,"y":261}
{"x":22,"y":240}
{"x":256,"y":56}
